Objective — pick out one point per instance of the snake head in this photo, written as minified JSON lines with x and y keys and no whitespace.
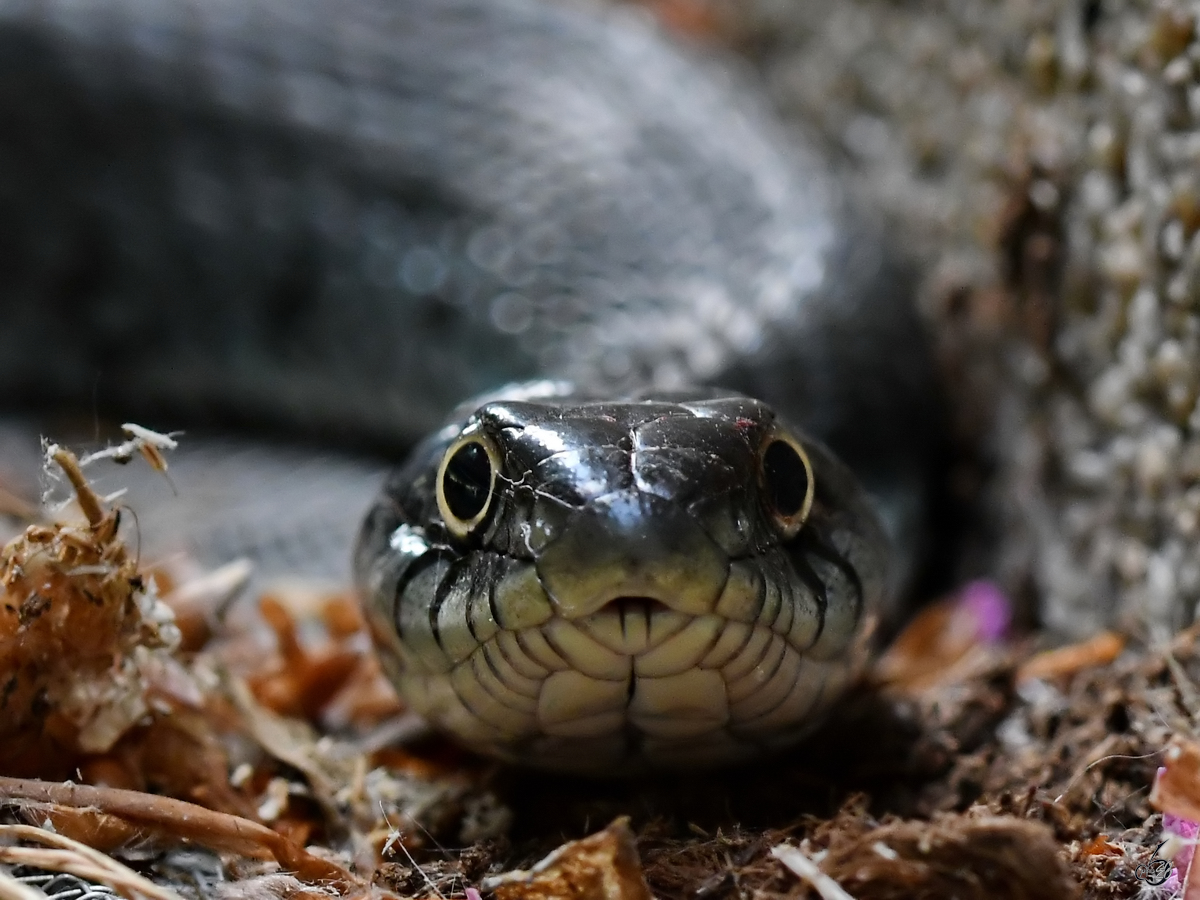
{"x":594,"y":585}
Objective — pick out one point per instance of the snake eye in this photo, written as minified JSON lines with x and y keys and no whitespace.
{"x":465,"y":480}
{"x":786,"y":478}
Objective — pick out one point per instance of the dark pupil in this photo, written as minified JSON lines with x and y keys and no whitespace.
{"x":786,"y":478}
{"x":467,"y":480}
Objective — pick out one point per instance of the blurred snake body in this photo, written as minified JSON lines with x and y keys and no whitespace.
{"x":340,"y":220}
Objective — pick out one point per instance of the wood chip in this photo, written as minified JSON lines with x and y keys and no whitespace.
{"x":795,"y":859}
{"x":602,"y":866}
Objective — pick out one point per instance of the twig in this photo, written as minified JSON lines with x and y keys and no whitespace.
{"x":92,"y":508}
{"x":396,"y":838}
{"x":12,"y":889}
{"x":795,"y":859}
{"x":291,"y":741}
{"x":80,"y":860}
{"x":216,"y":830}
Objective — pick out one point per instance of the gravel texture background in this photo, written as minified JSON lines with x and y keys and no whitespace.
{"x":1041,"y":161}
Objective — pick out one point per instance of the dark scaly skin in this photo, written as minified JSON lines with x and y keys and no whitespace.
{"x":340,"y":220}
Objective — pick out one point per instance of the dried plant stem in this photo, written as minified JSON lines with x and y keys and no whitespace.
{"x":11,"y":889}
{"x":92,"y":508}
{"x":799,"y":864}
{"x":79,"y":860}
{"x":181,"y":820}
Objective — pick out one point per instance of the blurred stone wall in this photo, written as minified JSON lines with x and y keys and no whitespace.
{"x":1042,"y":161}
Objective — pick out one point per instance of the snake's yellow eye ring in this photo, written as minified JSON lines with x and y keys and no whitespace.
{"x":785,"y":477}
{"x":466,"y":481}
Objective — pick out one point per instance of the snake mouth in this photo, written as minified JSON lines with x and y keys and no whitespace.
{"x":630,"y":624}
{"x":634,"y":612}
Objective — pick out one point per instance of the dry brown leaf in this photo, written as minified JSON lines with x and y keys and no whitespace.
{"x":968,"y":856}
{"x":947,"y":642}
{"x":1177,"y":789}
{"x":77,"y":629}
{"x":602,"y":866}
{"x":1098,"y":651}
{"x":306,"y":680}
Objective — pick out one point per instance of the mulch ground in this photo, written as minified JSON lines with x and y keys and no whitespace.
{"x":151,"y":710}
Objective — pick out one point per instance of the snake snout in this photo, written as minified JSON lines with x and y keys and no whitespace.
{"x":632,"y":550}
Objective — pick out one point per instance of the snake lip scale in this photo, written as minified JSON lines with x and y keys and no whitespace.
{"x":594,"y":586}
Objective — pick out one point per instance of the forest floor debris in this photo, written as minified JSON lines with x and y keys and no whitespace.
{"x":975,"y":762}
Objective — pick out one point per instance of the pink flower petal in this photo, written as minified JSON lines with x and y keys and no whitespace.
{"x":990,"y":608}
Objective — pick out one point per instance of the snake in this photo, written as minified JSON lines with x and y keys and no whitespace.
{"x":692,"y":477}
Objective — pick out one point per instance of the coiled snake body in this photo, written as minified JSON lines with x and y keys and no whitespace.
{"x":342,"y":219}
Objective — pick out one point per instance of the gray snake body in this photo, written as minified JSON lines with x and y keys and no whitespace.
{"x":342,"y":220}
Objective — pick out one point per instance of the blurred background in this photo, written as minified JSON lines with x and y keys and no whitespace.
{"x":1039,"y":160}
